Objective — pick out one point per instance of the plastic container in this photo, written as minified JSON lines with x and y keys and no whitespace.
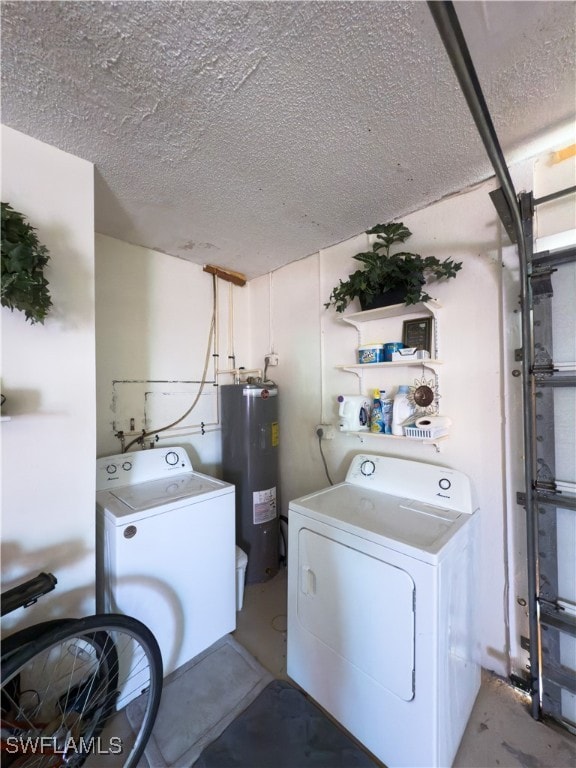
{"x":401,"y":410}
{"x":241,"y":563}
{"x":371,"y":353}
{"x":425,"y":434}
{"x":387,"y":407}
{"x":390,"y":348}
{"x":376,"y":422}
{"x":408,"y":354}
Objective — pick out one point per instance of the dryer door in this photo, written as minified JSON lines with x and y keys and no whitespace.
{"x":362,"y":608}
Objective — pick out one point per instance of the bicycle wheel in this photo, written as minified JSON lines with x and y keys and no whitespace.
{"x":22,"y":637}
{"x":59,"y":691}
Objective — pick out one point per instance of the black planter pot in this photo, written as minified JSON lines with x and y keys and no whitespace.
{"x":393,"y":296}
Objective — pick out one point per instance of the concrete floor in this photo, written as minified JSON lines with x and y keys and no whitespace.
{"x":500,"y":732}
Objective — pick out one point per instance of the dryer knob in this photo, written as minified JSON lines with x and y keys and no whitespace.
{"x":172,"y":458}
{"x":111,"y":469}
{"x":444,"y":483}
{"x":367,"y":468}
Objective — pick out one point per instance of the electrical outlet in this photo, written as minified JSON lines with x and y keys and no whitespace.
{"x":271,"y":359}
{"x":327,"y":431}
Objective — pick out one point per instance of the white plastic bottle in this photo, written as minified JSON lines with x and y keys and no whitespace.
{"x":401,"y":410}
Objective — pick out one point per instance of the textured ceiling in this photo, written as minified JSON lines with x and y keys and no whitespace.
{"x":250,"y":134}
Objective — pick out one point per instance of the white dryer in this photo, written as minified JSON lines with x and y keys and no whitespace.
{"x":381,"y":606}
{"x":166,"y":549}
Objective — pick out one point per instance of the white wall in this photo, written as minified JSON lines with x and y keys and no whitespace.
{"x":153,"y":315}
{"x":48,"y":378}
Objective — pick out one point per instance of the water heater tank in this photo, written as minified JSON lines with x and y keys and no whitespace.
{"x":249,"y":417}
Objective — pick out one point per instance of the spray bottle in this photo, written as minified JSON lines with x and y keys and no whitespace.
{"x":387,"y":405}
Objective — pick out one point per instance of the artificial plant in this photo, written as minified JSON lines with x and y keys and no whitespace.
{"x":24,"y":258}
{"x":403,"y":275}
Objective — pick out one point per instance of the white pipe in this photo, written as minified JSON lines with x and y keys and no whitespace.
{"x":322,"y":314}
{"x":216,"y":320}
{"x":270,"y":327}
{"x":231,"y":345}
{"x":239,"y":371}
{"x":182,"y":430}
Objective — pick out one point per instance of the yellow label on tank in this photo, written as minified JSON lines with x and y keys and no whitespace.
{"x":275,"y":434}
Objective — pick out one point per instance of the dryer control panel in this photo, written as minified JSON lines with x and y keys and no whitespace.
{"x":140,"y":466}
{"x":428,"y":483}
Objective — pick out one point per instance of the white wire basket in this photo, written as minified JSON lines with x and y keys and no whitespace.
{"x":424,"y":434}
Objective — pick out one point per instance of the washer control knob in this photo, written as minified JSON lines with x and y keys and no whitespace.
{"x":444,"y":483}
{"x":172,"y":458}
{"x":127,"y":466}
{"x":367,"y":467}
{"x":111,"y":469}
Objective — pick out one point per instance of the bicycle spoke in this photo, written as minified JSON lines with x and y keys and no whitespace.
{"x":58,"y":692}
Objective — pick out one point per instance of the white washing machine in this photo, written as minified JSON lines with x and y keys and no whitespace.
{"x":166,"y":549}
{"x":381,"y":606}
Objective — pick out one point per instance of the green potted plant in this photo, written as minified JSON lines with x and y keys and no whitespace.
{"x":24,"y":286}
{"x":387,"y":278}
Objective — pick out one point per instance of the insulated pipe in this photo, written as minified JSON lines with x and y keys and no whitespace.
{"x":446,"y":21}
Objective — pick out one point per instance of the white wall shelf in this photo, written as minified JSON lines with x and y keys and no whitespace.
{"x":394,"y":310}
{"x":358,"y":321}
{"x":359,"y":369}
{"x":363,"y":434}
{"x":396,"y":364}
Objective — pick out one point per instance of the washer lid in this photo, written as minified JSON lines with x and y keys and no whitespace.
{"x":158,"y":492}
{"x":380,"y":516}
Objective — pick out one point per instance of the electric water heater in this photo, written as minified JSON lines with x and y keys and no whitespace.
{"x":249,"y":418}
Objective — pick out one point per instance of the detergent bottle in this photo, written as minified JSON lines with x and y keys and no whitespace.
{"x":376,"y":421}
{"x":401,"y":410}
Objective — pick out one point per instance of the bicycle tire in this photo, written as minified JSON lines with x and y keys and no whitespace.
{"x":87,"y":670}
{"x":17,"y":640}
{"x":59,"y":686}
